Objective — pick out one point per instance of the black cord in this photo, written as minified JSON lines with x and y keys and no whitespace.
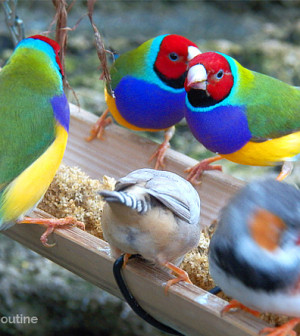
{"x":216,"y":290}
{"x":132,"y":301}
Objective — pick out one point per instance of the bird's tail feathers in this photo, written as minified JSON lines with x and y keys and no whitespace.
{"x":141,"y":205}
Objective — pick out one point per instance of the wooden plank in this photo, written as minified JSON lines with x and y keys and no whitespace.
{"x":186,"y":308}
{"x":123,"y":151}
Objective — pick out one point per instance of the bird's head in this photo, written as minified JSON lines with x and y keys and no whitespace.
{"x":54,"y":45}
{"x":257,"y":240}
{"x":173,"y":56}
{"x":209,"y":79}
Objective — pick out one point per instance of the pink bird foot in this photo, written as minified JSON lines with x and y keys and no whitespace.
{"x":234,"y":304}
{"x":286,"y":170}
{"x":52,"y":224}
{"x":161,"y":150}
{"x":180,"y":274}
{"x":196,"y":171}
{"x":284,"y":330}
{"x":98,"y":128}
{"x":126,"y":259}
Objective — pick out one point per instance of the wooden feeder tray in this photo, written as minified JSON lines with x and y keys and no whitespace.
{"x":187,"y":308}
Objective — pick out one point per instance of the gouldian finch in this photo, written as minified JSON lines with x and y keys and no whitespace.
{"x":242,"y":115}
{"x":33,"y":129}
{"x":254,"y":254}
{"x":155,"y":214}
{"x":148,"y":88}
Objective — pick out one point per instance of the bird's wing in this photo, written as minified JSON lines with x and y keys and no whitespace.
{"x":27,"y":129}
{"x":173,"y":200}
{"x":170,"y":189}
{"x":273,"y":108}
{"x":132,"y":63}
{"x":140,"y":176}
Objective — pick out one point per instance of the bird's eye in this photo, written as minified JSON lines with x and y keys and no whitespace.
{"x":220,"y":74}
{"x":173,"y":56}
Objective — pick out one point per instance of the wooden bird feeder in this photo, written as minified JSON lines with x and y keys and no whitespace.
{"x":186,"y":308}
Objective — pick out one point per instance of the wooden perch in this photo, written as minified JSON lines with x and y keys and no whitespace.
{"x":186,"y":308}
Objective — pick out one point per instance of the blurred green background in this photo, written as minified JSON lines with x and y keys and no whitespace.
{"x":262,"y":35}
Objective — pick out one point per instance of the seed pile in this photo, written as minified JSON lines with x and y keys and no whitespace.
{"x":74,"y":193}
{"x":195,"y":262}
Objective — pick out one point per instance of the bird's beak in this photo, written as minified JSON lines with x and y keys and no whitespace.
{"x":197,"y":77}
{"x":192,"y":52}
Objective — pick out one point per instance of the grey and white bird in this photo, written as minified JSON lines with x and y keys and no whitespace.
{"x":155,"y":214}
{"x":254,"y":254}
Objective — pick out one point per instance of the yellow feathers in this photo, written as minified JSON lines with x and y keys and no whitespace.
{"x":28,"y":188}
{"x":267,"y":153}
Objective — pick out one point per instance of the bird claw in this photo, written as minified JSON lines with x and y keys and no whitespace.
{"x":180,"y":274}
{"x":234,"y":304}
{"x":160,"y":155}
{"x":161,"y":150}
{"x":283,"y":330}
{"x":286,"y":170}
{"x":195,"y":172}
{"x":98,"y":128}
{"x":52,"y":224}
{"x":45,"y":235}
{"x":126,"y":259}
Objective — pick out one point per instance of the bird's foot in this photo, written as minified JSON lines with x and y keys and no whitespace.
{"x":181,"y":275}
{"x":98,"y":128}
{"x":286,"y":170}
{"x":234,"y":304}
{"x":160,"y":153}
{"x":52,"y":224}
{"x":196,"y":171}
{"x":125,"y":259}
{"x":283,"y":330}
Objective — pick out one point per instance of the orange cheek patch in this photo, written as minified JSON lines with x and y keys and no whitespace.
{"x":266,"y":229}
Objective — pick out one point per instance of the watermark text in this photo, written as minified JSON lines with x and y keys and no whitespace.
{"x":19,"y":319}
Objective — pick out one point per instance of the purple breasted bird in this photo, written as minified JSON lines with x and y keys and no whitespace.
{"x":148,"y":88}
{"x":242,"y":115}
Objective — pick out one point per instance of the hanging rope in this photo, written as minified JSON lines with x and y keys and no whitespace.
{"x":101,"y":51}
{"x":14,"y":23}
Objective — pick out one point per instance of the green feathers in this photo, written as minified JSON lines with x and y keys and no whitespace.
{"x":133,"y":63}
{"x":272,"y":106}
{"x":27,"y":122}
